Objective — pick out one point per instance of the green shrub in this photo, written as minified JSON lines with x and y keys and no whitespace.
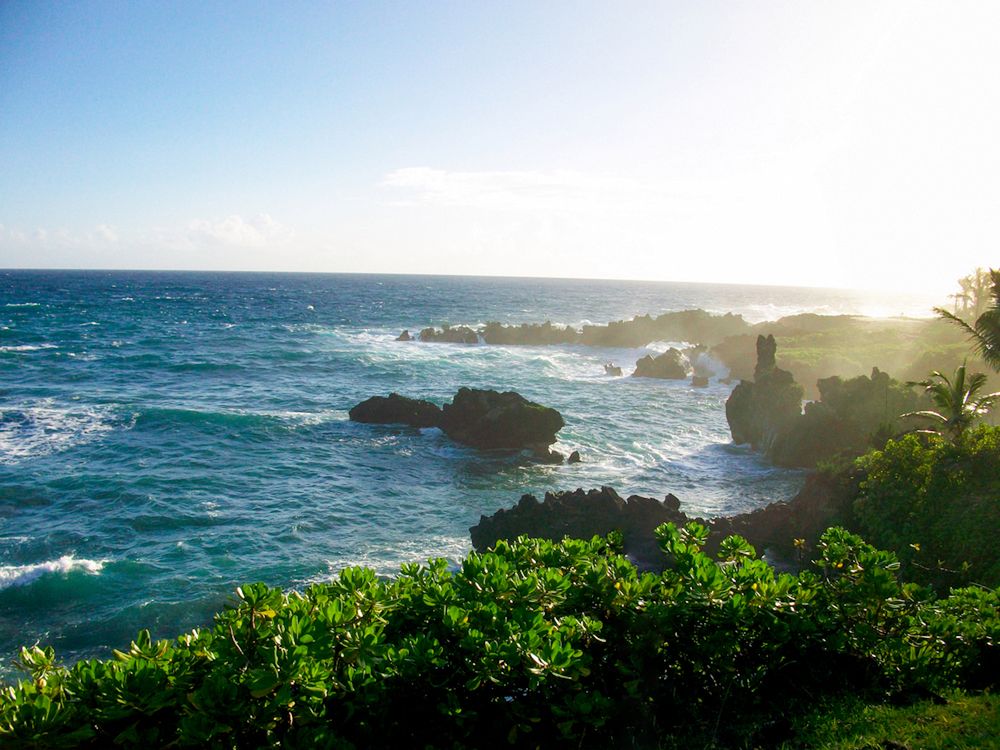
{"x":534,"y":643}
{"x":937,"y":503}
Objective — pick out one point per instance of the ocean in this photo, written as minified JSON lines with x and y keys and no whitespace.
{"x":165,"y":437}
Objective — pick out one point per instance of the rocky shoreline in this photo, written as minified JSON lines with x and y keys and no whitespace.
{"x":823,"y":501}
{"x":813,"y":346}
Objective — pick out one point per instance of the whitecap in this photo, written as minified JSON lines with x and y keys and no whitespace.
{"x":27,"y":347}
{"x":41,"y":428}
{"x":23,"y":304}
{"x":22,"y":575}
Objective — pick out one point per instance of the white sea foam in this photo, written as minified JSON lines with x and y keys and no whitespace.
{"x":22,"y":575}
{"x":308,"y":418}
{"x":386,"y":559}
{"x":23,"y":304}
{"x":41,"y":428}
{"x":27,"y":347}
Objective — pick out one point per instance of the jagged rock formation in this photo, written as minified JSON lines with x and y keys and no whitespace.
{"x":480,"y":418}
{"x":821,"y":503}
{"x":582,"y":514}
{"x":759,"y":412}
{"x":449,"y":335}
{"x":404,"y":336}
{"x":488,"y":419}
{"x":671,"y":365}
{"x":845,"y":419}
{"x":534,"y":334}
{"x":396,"y":409}
{"x":766,"y":412}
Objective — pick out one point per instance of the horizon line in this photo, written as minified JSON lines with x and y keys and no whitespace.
{"x":461,"y":275}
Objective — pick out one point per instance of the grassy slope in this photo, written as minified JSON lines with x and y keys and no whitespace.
{"x":963,"y":722}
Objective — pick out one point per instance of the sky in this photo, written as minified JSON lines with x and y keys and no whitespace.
{"x":832,"y":144}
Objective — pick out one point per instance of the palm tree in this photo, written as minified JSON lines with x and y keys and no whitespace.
{"x":956,"y":399}
{"x":985,"y":331}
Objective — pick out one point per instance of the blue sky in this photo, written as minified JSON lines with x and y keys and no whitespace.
{"x":826,"y":144}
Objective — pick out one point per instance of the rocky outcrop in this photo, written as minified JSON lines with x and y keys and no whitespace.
{"x":582,"y":514}
{"x":404,"y":336}
{"x":671,"y":365}
{"x":823,"y":502}
{"x":532,"y":334}
{"x":683,"y":325}
{"x":845,"y":419}
{"x":449,"y":335}
{"x":488,"y":419}
{"x":849,"y":417}
{"x":759,"y":412}
{"x":396,"y":409}
{"x":480,"y":418}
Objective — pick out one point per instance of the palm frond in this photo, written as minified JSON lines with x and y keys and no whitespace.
{"x":995,"y":292}
{"x":987,"y":338}
{"x":950,"y":316}
{"x":927,"y":414}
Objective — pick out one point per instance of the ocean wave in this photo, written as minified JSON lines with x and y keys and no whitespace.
{"x":38,"y":429}
{"x":23,"y":304}
{"x":22,"y":575}
{"x":172,"y":416}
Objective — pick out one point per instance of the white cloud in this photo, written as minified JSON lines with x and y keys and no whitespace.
{"x":561,"y":190}
{"x":195,"y":243}
{"x":235,"y":231}
{"x":106,"y":233}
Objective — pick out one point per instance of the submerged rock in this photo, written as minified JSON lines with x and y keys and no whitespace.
{"x":671,"y":365}
{"x":404,"y":336}
{"x":396,"y":409}
{"x":545,"y":455}
{"x":489,"y":419}
{"x":574,"y":458}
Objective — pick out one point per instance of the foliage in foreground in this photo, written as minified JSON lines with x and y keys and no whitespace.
{"x":937,"y":503}
{"x":533,"y":644}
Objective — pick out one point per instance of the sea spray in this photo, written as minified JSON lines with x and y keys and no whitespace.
{"x":23,"y":575}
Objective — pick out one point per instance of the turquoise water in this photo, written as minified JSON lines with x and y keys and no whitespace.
{"x":165,"y":437}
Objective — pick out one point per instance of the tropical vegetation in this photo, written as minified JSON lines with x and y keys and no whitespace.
{"x":534,"y":644}
{"x":957,"y":398}
{"x":936,"y":503}
{"x":984,"y":331}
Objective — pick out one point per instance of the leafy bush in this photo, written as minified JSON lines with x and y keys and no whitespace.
{"x":937,"y":503}
{"x":540,"y":643}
